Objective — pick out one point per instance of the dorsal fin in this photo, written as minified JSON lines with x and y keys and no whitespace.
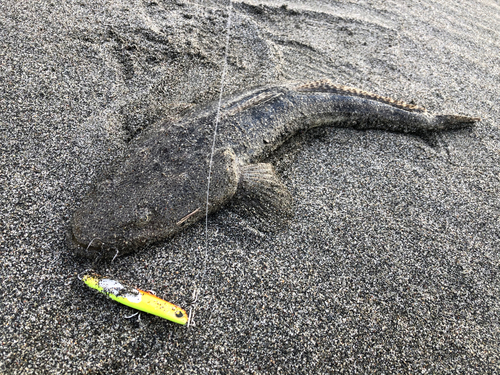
{"x":325,"y":85}
{"x":250,"y":101}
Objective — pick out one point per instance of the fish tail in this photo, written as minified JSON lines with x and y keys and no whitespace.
{"x":450,"y":122}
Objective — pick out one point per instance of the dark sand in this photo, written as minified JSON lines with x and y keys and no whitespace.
{"x":391,"y":263}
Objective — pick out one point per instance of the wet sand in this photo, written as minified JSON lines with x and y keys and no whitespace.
{"x":390,"y":264}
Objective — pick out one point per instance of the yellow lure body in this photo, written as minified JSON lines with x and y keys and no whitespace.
{"x":136,"y":298}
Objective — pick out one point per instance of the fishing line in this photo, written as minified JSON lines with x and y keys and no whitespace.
{"x":216,"y":125}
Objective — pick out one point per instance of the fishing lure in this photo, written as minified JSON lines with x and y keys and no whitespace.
{"x":136,"y":298}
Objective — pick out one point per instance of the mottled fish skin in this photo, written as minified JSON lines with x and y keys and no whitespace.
{"x":160,"y":187}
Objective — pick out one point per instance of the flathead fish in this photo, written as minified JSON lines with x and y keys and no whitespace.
{"x":160,"y":187}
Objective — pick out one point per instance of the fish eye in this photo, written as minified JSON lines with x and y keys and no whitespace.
{"x":144,"y":216}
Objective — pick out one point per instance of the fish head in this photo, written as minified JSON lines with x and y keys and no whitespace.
{"x":149,"y":197}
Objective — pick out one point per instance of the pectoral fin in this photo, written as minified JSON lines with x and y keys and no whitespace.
{"x":261,"y":198}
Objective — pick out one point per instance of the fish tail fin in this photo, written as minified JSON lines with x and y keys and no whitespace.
{"x":450,"y":122}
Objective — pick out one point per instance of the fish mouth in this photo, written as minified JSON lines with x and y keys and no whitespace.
{"x":87,"y":238}
{"x":94,"y":249}
{"x":113,"y":244}
{"x":79,"y":249}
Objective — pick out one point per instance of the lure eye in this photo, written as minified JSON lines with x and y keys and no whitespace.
{"x":179,"y":314}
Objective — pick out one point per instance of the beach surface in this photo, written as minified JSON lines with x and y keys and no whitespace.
{"x":390,"y":263}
